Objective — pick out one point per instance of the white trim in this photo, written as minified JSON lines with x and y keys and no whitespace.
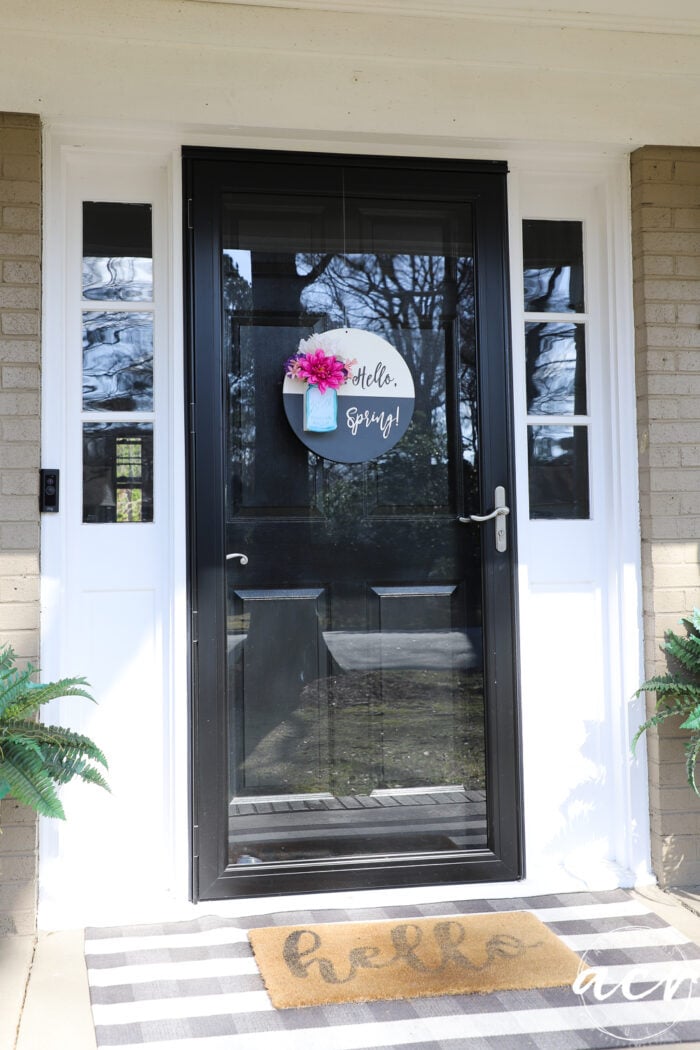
{"x":146,"y":563}
{"x":625,"y":608}
{"x":119,"y":139}
{"x":600,"y":558}
{"x":72,"y":149}
{"x":178,"y":710}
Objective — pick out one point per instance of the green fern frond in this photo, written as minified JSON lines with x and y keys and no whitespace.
{"x":678,"y":694}
{"x":655,"y":720}
{"x":692,"y":749}
{"x":14,"y":690}
{"x":685,"y":651}
{"x":58,"y":738}
{"x":41,"y":694}
{"x":21,"y":736}
{"x":24,"y":770}
{"x":693,"y":720}
{"x":7,"y":659}
{"x":62,"y":767}
{"x":72,"y":755}
{"x":672,"y":693}
{"x":34,"y":757}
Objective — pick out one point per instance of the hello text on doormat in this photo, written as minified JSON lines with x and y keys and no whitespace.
{"x":353,"y":962}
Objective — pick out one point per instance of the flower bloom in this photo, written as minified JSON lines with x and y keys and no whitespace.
{"x":348,"y":367}
{"x":322,"y":370}
{"x":292,"y":366}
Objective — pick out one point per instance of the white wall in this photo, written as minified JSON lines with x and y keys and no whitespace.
{"x":114,"y":596}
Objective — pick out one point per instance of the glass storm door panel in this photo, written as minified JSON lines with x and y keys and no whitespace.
{"x":353,"y":698}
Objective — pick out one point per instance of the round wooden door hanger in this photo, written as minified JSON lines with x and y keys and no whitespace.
{"x":348,"y":395}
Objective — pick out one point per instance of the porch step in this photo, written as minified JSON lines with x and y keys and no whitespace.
{"x":282,"y":828}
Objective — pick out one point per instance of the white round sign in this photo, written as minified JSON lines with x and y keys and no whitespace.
{"x":348,"y":395}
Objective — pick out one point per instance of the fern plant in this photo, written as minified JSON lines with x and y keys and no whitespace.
{"x":678,"y":692}
{"x":36,"y":758}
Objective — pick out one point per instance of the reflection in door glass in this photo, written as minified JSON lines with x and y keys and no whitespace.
{"x":117,"y":472}
{"x":555,"y":361}
{"x":117,"y":361}
{"x":355,"y":662}
{"x":553,"y":266}
{"x":558,"y":471}
{"x":117,"y":251}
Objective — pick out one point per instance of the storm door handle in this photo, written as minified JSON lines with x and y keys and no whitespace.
{"x":498,"y":516}
{"x":243,"y":557}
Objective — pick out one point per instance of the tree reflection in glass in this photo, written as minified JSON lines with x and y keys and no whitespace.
{"x":553,"y":266}
{"x":422,"y":305}
{"x":558,"y":471}
{"x":555,"y":369}
{"x":117,"y":361}
{"x":377,"y":669}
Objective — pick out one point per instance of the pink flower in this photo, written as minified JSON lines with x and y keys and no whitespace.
{"x":292,"y":366}
{"x":322,"y":370}
{"x":348,"y":367}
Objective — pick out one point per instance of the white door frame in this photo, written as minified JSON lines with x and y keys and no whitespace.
{"x":592,"y":828}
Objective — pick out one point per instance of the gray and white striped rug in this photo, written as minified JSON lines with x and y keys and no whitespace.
{"x":195,"y":986}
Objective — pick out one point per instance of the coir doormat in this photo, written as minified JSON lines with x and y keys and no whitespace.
{"x":453,"y":955}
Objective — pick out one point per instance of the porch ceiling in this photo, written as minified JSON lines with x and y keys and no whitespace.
{"x":649,"y":16}
{"x":452,"y":71}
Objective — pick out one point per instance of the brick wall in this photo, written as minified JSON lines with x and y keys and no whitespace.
{"x":666,"y":249}
{"x":20,"y":292}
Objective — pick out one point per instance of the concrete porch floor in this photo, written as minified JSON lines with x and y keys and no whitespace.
{"x":44,"y":997}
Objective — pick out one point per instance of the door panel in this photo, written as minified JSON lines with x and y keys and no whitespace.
{"x":355,"y":718}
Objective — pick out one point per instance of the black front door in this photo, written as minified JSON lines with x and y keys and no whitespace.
{"x":354,"y":702}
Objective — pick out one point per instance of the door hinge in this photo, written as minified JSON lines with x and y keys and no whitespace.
{"x":195,"y":627}
{"x":189,"y":214}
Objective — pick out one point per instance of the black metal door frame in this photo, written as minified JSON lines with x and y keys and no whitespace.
{"x":207,"y":172}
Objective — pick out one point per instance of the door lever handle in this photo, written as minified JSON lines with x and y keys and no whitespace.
{"x":243,"y":557}
{"x":497,"y":515}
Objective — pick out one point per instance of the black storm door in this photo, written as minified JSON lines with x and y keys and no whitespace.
{"x":354,"y":714}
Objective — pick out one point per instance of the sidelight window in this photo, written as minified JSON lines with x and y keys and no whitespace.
{"x":117,"y":332}
{"x":555,"y":368}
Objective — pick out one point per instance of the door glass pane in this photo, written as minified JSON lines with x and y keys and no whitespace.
{"x":355,"y":663}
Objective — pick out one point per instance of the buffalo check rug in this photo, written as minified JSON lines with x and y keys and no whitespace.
{"x":195,"y":985}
